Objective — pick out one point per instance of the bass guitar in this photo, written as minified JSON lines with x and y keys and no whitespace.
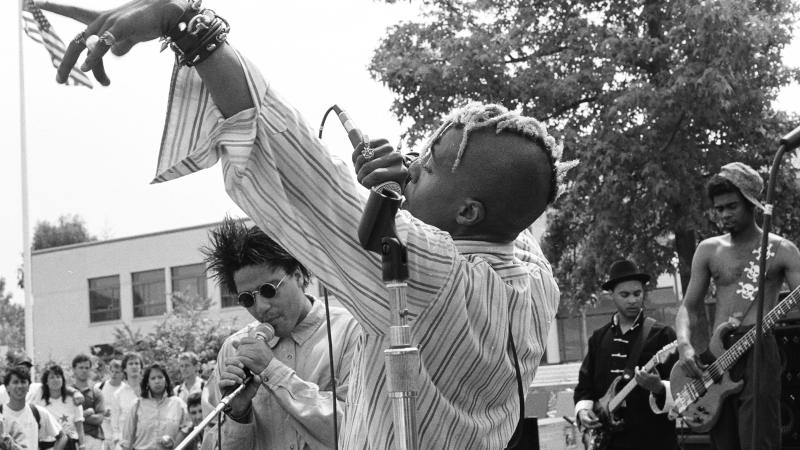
{"x":606,"y":408}
{"x":698,"y":400}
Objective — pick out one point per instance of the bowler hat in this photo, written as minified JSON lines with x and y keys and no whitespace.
{"x":624,"y":270}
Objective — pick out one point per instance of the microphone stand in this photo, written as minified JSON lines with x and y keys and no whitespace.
{"x":787,"y":143}
{"x":376,"y":232}
{"x":221,"y":406}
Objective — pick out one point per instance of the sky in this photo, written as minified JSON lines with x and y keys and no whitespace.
{"x":93,"y":152}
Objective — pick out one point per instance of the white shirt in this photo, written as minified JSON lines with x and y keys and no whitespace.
{"x":65,"y":412}
{"x":183,"y":392}
{"x":125,"y":397}
{"x":110,"y":401}
{"x":26,"y":423}
{"x":4,"y":398}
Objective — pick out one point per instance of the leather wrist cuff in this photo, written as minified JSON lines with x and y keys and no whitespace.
{"x":196,"y":34}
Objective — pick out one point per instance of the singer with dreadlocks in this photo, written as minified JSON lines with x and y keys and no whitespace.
{"x":481,"y":296}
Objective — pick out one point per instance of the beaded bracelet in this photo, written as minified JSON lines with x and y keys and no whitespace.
{"x":196,"y":35}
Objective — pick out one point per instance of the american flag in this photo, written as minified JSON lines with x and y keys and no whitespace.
{"x":38,"y":28}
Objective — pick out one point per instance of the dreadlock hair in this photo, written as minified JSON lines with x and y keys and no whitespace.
{"x":476,"y":116}
{"x":719,"y":185}
{"x":234,"y":245}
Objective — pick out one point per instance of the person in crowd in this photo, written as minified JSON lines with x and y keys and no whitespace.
{"x":478,"y":282}
{"x":35,"y":424}
{"x":190,"y":381}
{"x":611,"y":349}
{"x":293,"y":405}
{"x":108,"y":388}
{"x":195,"y":409}
{"x":732,"y":261}
{"x":128,"y":392}
{"x":58,"y":401}
{"x":157,"y":419}
{"x":94,"y":409}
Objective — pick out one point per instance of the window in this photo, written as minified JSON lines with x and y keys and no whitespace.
{"x":104,"y":299}
{"x":189,"y":280}
{"x":149,"y":297}
{"x":228,"y":298}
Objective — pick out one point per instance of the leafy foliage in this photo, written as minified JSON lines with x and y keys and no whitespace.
{"x":652,"y":97}
{"x":70,"y":229}
{"x":186,"y":328}
{"x":12,"y":321}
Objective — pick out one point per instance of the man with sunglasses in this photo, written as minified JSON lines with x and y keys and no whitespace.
{"x":292,"y":406}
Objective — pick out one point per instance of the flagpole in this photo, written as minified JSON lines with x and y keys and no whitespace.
{"x":26,"y":237}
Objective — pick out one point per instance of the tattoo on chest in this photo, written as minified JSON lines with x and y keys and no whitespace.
{"x":748,"y":286}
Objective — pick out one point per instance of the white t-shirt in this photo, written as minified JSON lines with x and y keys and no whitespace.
{"x":110,"y":401}
{"x":65,"y":412}
{"x":26,"y":423}
{"x":4,"y":398}
{"x":183,"y":392}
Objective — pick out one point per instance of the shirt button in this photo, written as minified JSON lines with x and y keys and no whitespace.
{"x":290,"y":357}
{"x":291,"y":446}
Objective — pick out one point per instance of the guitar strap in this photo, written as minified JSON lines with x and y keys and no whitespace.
{"x":633,"y":357}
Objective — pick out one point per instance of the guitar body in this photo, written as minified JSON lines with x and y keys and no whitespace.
{"x":600,"y":438}
{"x":703,"y":413}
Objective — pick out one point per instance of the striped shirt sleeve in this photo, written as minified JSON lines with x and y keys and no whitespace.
{"x":288,"y":183}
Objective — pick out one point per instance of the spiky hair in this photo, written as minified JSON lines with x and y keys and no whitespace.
{"x":477,"y":116}
{"x":234,"y":245}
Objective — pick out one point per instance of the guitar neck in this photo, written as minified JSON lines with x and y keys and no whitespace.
{"x":623,"y":393}
{"x":729,"y":358}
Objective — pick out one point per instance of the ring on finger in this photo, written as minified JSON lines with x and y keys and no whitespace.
{"x":366,"y":150}
{"x":80,"y":38}
{"x":108,"y":39}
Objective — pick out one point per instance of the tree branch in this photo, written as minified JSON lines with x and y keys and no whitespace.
{"x":572,"y":106}
{"x":535,"y":55}
{"x":674,"y":132}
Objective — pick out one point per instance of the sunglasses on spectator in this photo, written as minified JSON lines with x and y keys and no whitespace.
{"x":266,"y":290}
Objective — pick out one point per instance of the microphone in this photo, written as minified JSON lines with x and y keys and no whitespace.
{"x":791,"y":140}
{"x":264,"y":332}
{"x":357,"y":137}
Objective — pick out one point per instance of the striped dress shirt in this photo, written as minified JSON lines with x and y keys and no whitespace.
{"x":461,"y":294}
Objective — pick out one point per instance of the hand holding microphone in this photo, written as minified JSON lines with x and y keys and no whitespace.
{"x":378,"y":166}
{"x":252,"y":357}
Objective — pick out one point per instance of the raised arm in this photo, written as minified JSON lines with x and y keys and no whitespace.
{"x":691,"y":319}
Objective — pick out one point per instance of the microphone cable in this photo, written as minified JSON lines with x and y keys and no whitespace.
{"x":328,"y":321}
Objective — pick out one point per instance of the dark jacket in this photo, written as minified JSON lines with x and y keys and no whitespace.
{"x":606,"y":359}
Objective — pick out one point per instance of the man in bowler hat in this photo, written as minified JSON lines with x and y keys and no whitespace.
{"x":611,"y":347}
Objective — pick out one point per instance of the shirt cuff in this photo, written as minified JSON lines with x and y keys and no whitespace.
{"x":276,"y":374}
{"x":583,"y":404}
{"x":668,"y":401}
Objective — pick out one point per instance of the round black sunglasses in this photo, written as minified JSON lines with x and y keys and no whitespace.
{"x":266,"y":290}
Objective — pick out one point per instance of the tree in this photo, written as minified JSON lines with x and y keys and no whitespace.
{"x":652,"y":97}
{"x":70,"y":229}
{"x":186,"y":328}
{"x":12,"y":320}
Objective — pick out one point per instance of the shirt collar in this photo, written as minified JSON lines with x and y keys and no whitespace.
{"x":310,"y":323}
{"x":499,"y":255}
{"x":636,"y":323}
{"x":502,"y":251}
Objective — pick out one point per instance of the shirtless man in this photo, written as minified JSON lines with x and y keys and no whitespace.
{"x":731,"y":260}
